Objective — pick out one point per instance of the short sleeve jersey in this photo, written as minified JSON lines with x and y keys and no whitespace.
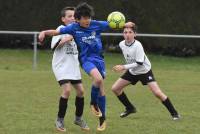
{"x":88,"y":39}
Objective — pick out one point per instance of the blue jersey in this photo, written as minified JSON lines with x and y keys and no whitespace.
{"x":88,"y":39}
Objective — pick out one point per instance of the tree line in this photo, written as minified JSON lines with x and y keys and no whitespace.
{"x":155,"y":16}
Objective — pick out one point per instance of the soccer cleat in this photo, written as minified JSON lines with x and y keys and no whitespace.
{"x":95,"y":110}
{"x":59,"y":123}
{"x":82,"y":124}
{"x":127,"y":112}
{"x":102,"y":127}
{"x":176,"y":117}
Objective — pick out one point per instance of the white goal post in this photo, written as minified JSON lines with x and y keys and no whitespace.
{"x":35,"y":41}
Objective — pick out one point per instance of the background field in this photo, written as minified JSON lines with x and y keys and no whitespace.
{"x":28,"y":99}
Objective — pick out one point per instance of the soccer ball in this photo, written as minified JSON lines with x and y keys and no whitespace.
{"x":116,"y":20}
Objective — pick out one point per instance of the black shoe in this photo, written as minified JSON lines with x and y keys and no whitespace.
{"x":127,"y":112}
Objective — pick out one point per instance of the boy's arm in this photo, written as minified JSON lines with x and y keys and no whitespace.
{"x":105,"y":25}
{"x":65,"y":39}
{"x":60,"y":40}
{"x":42,"y":34}
{"x":121,"y":68}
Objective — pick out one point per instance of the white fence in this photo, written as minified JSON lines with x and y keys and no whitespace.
{"x":35,"y":42}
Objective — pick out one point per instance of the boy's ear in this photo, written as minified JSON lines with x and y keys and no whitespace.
{"x":62,"y":19}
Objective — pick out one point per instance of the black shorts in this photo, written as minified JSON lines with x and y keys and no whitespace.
{"x":144,"y":78}
{"x":61,"y":82}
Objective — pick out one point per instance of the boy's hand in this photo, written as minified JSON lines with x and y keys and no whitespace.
{"x":41,"y":36}
{"x":65,"y":39}
{"x":118,"y":68}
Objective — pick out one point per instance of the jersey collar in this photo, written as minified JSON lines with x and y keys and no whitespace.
{"x":130,"y":44}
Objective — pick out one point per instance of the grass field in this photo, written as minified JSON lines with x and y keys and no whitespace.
{"x":28,"y":99}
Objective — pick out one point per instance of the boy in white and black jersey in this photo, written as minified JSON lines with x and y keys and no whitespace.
{"x":138,"y":68}
{"x":65,"y":66}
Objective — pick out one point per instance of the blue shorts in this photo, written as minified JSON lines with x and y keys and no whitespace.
{"x":91,"y":63}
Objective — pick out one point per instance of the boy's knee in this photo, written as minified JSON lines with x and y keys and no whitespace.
{"x":115,"y":90}
{"x":159,"y":94}
{"x":66,"y":93}
{"x":98,"y":81}
{"x":80,"y":93}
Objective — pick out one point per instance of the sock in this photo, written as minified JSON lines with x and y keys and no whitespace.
{"x":125,"y":101}
{"x":62,"y":107}
{"x":94,"y":95}
{"x":79,"y":103}
{"x":167,"y":103}
{"x":102,"y":105}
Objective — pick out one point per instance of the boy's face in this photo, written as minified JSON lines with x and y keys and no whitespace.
{"x":84,"y":21}
{"x":129,"y":35}
{"x":69,"y":17}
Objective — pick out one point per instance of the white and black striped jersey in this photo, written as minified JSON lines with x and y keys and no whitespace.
{"x":136,"y":59}
{"x":65,"y":62}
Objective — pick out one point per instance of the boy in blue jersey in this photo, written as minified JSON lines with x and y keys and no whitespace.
{"x":87,"y":35}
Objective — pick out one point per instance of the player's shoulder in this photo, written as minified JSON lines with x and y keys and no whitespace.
{"x":122,"y":43}
{"x":71,"y":25}
{"x":94,"y":21}
{"x":98,"y":22}
{"x":138,"y":43}
{"x":59,"y":27}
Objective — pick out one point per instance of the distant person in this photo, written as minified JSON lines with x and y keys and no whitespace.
{"x":137,"y":68}
{"x":66,"y":69}
{"x":87,"y":34}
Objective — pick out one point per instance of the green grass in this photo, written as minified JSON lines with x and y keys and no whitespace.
{"x":28,"y":98}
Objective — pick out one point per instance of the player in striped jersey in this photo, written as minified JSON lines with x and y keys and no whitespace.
{"x":138,"y":68}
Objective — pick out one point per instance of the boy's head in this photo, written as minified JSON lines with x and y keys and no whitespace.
{"x":129,"y":33}
{"x":67,"y":15}
{"x":83,"y":14}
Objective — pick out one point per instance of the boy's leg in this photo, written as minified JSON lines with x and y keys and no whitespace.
{"x":98,"y":82}
{"x":102,"y":106}
{"x":79,"y":103}
{"x":90,"y":68}
{"x":117,"y":88}
{"x":66,"y":88}
{"x":165,"y":100}
{"x":95,"y":91}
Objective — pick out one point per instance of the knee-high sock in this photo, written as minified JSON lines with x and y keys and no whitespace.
{"x":94,"y":95}
{"x":125,"y":101}
{"x":62,"y":107}
{"x":79,"y":103}
{"x":167,"y":103}
{"x":102,"y":105}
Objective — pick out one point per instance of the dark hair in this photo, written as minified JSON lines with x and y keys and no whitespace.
{"x":62,"y":13}
{"x":83,"y":9}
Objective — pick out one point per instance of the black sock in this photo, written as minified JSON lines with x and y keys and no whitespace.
{"x":79,"y":103}
{"x":124,"y":100}
{"x":62,"y":107}
{"x":167,"y":103}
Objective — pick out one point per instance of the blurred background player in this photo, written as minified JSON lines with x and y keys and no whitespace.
{"x":138,"y":68}
{"x":66,"y":69}
{"x":87,"y":35}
